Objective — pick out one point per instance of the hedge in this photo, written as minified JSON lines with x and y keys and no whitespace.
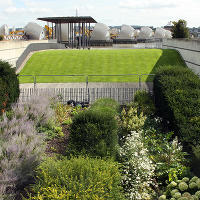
{"x":94,"y":132}
{"x":177,"y":99}
{"x":9,"y":90}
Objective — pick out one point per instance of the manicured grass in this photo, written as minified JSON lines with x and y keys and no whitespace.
{"x":98,"y":62}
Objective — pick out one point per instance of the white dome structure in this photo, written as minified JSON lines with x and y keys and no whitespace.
{"x":100,"y":32}
{"x":34,"y":31}
{"x":114,"y":31}
{"x":145,"y":33}
{"x":168,"y":34}
{"x":127,"y":32}
{"x":4,"y":30}
{"x":160,"y":33}
{"x":136,"y":33}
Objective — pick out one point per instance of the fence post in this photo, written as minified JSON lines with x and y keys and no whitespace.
{"x":87,"y":89}
{"x":140,"y":81}
{"x":34,"y":77}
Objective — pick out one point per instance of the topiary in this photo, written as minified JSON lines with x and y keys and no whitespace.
{"x":173,"y":184}
{"x":174,"y":191}
{"x":193,"y":185}
{"x":182,"y":186}
{"x":194,"y":179}
{"x":197,"y":194}
{"x":185,"y":179}
{"x":94,"y":132}
{"x":183,"y":198}
{"x":186,"y":194}
{"x":9,"y":90}
{"x":177,"y":195}
{"x":162,"y":197}
{"x":198,"y":183}
{"x":195,"y":197}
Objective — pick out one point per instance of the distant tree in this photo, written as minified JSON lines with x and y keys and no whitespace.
{"x":180,"y":30}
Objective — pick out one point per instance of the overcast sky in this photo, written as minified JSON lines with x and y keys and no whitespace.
{"x":111,"y":12}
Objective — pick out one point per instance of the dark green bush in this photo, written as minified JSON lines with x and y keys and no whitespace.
{"x":106,"y":103}
{"x":9,"y":90}
{"x":77,"y":178}
{"x":94,"y":132}
{"x":1,"y":37}
{"x":177,"y":99}
{"x":145,"y":102}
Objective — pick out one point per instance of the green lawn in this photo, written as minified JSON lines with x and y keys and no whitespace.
{"x":97,"y":62}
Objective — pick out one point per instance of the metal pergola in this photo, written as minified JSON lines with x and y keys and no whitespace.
{"x":78,"y":30}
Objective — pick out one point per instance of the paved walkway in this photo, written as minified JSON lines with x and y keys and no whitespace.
{"x":148,"y":85}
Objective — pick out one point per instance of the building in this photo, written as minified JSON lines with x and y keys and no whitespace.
{"x":74,"y":32}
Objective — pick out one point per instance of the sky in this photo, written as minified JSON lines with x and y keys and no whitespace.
{"x":155,"y":13}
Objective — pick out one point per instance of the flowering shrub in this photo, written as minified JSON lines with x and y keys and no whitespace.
{"x":21,"y":145}
{"x":20,"y":152}
{"x":138,"y":169}
{"x":39,"y":109}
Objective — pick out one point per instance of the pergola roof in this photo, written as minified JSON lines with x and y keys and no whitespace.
{"x":81,"y":19}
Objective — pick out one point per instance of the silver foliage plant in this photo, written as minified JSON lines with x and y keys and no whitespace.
{"x":21,"y":147}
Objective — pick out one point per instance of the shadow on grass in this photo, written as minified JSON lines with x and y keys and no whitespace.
{"x":168,"y":57}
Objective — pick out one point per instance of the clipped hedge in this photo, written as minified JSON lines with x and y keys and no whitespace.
{"x":94,"y":132}
{"x":78,"y":178}
{"x":177,"y":98}
{"x":9,"y":90}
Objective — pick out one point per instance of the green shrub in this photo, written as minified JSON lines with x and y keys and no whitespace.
{"x":185,"y":179}
{"x":183,"y":190}
{"x":9,"y":90}
{"x":78,"y":179}
{"x":106,"y":103}
{"x":193,"y":185}
{"x":94,"y":132}
{"x":177,"y":99}
{"x":182,"y":186}
{"x":174,"y":191}
{"x":145,"y":102}
{"x":1,"y":37}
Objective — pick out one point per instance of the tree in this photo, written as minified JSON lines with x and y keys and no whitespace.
{"x":180,"y":30}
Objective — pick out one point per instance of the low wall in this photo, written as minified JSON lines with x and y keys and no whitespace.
{"x":11,"y":50}
{"x":37,"y":47}
{"x":189,"y":50}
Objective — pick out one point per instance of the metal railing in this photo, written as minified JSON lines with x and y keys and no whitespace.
{"x":87,"y":78}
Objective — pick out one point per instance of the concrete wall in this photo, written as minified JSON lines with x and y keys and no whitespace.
{"x":11,"y":50}
{"x":36,"y":47}
{"x":189,"y":50}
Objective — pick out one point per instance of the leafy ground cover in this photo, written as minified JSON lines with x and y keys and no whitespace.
{"x":97,"y":62}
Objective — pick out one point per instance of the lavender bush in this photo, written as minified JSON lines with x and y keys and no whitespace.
{"x":21,"y":147}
